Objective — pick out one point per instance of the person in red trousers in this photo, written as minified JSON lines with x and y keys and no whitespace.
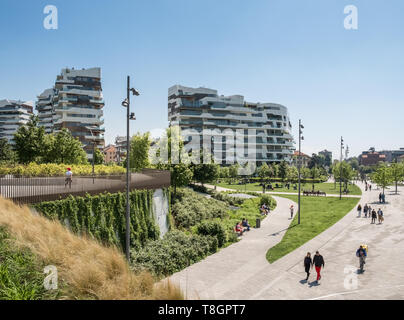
{"x":318,"y":262}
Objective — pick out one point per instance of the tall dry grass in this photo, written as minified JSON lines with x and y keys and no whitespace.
{"x":89,"y":269}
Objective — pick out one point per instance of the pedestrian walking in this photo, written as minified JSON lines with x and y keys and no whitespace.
{"x":380,"y":216}
{"x":359,"y":210}
{"x":365,"y":210}
{"x":308,"y":263}
{"x":292,"y":208}
{"x":383,"y":198}
{"x":374,"y":215}
{"x":370,"y":187}
{"x":69,"y":175}
{"x":380,"y":197}
{"x":318,"y":262}
{"x":361,"y":254}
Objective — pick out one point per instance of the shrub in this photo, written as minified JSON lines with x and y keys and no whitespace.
{"x":214,"y":229}
{"x":103,"y":216}
{"x":173,"y":253}
{"x":54,"y":170}
{"x":190,"y":208}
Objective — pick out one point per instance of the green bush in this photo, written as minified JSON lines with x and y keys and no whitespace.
{"x":173,"y":253}
{"x":190,"y":208}
{"x":103,"y":216}
{"x":268,"y":200}
{"x":214,"y":229}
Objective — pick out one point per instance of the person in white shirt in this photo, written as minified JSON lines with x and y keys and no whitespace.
{"x":69,"y":175}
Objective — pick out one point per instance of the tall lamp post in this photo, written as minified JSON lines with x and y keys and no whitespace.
{"x":92,"y":135}
{"x":299,"y":166}
{"x":340,"y":170}
{"x":129,"y":116}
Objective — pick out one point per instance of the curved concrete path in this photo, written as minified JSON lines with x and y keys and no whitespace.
{"x":226,"y":270}
{"x":242,"y":272}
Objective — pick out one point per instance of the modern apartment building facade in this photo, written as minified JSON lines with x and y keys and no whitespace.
{"x":13,"y":114}
{"x":75,"y":103}
{"x":202,"y":108}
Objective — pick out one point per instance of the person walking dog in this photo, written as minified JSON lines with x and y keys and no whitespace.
{"x":318,"y":262}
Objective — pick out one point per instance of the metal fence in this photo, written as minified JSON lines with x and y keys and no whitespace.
{"x":27,"y":190}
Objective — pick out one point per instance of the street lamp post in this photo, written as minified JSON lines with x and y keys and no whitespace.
{"x":340,"y":170}
{"x":93,"y":163}
{"x":129,"y":116}
{"x":299,"y":165}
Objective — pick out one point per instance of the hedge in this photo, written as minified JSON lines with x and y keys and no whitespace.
{"x":173,"y":253}
{"x":55,"y":170}
{"x":103,"y":216}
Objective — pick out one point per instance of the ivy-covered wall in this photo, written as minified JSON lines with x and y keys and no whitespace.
{"x":103,"y":216}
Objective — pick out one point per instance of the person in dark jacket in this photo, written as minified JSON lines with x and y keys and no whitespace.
{"x":308,"y":262}
{"x":318,"y":262}
{"x":361,"y":254}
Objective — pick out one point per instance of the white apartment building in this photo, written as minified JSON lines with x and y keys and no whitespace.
{"x":202,"y":108}
{"x":13,"y":114}
{"x":75,"y":103}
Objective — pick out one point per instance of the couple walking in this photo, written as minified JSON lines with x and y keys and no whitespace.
{"x":317,"y":262}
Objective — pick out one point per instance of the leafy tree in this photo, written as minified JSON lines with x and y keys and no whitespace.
{"x":292,"y":174}
{"x":66,"y":148}
{"x":275,"y":169}
{"x":283,"y":170}
{"x":171,"y":145}
{"x":98,"y":156}
{"x":29,"y":141}
{"x":316,"y":161}
{"x":205,"y":172}
{"x":6,"y":152}
{"x":342,"y":171}
{"x":224,"y":172}
{"x":314,"y":175}
{"x":139,"y":151}
{"x":397,"y":173}
{"x":382,"y":176}
{"x":263,"y":171}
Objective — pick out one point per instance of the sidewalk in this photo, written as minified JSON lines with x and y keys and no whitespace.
{"x":221,"y":189}
{"x":213,"y":277}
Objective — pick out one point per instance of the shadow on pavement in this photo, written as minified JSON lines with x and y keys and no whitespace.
{"x":278,"y":232}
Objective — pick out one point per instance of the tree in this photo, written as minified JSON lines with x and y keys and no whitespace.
{"x":29,"y":141}
{"x":205,"y":172}
{"x":98,"y":156}
{"x":397,"y":173}
{"x":283,"y":170}
{"x":263,"y":171}
{"x":382,"y":176}
{"x":233,"y":171}
{"x":139,"y":151}
{"x":6,"y":152}
{"x":292,"y":174}
{"x":67,"y":149}
{"x":316,"y":161}
{"x":275,"y":169}
{"x":314,"y":175}
{"x":172,"y":146}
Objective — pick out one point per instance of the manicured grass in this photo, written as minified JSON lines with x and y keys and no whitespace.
{"x":329,"y":188}
{"x":318,"y":214}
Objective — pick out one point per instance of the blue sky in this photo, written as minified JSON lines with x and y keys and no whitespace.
{"x":296,"y":53}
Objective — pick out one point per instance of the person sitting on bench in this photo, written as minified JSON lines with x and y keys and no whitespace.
{"x":245,"y":223}
{"x":238,"y":229}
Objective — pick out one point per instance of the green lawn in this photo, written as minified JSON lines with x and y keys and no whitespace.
{"x":326,"y":187}
{"x":318,"y":214}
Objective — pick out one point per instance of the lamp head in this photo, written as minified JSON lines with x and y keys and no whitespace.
{"x":135,"y":92}
{"x":125,"y":103}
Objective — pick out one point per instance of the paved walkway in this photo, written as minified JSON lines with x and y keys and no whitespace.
{"x":242,"y":272}
{"x":220,"y":189}
{"x":213,"y":277}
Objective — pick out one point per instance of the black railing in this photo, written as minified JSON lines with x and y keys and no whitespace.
{"x":28,"y":190}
